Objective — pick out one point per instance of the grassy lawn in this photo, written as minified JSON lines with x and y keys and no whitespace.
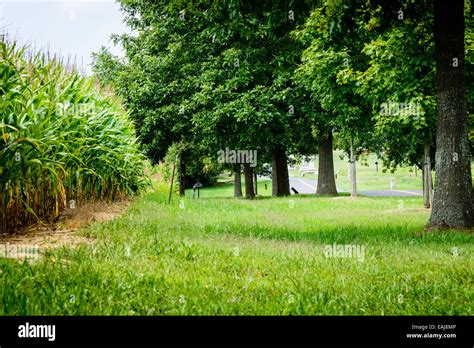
{"x":224,"y":188}
{"x":368,"y":178}
{"x":227,"y":256}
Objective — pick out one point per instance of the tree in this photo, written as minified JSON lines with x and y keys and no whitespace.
{"x":159,"y":73}
{"x":408,"y":140}
{"x":237,"y":180}
{"x":326,"y":180}
{"x":399,"y":84}
{"x":332,"y":48}
{"x":246,"y":93}
{"x":453,"y":201}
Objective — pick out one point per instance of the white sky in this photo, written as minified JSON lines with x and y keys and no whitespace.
{"x":74,"y":28}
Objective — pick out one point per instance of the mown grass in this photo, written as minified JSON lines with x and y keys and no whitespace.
{"x":224,"y":188}
{"x":236,"y":257}
{"x":368,"y":177}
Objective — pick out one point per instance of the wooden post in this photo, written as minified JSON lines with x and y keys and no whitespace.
{"x":172,"y":179}
{"x":426,"y":175}
{"x":429,"y":176}
{"x":255,"y":183}
{"x":353,"y":171}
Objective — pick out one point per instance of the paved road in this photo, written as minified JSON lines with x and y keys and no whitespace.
{"x":305,"y":186}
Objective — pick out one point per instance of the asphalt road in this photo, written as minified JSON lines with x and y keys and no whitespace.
{"x":306,"y":186}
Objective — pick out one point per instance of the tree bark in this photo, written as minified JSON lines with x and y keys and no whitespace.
{"x":280,"y":177}
{"x":182,"y":176}
{"x":237,"y":181}
{"x":326,"y":181}
{"x":453,"y":205}
{"x":249,"y":192}
{"x":353,"y":171}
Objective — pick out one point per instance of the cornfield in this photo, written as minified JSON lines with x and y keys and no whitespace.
{"x":62,"y":141}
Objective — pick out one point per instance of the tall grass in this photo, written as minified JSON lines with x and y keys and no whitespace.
{"x":62,"y":141}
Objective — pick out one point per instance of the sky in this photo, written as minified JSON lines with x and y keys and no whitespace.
{"x":71,"y":28}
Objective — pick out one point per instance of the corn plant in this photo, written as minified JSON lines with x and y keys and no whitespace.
{"x":61,"y":140}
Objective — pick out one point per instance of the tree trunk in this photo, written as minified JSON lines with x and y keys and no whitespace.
{"x":280,"y":177}
{"x":453,"y":205}
{"x":353,"y":171}
{"x":249,"y":192}
{"x":237,"y":181}
{"x":326,"y":181}
{"x":426,"y":173}
{"x":182,"y":176}
{"x":255,"y":183}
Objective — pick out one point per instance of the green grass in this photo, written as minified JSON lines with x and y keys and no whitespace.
{"x":368,"y":178}
{"x":227,"y":256}
{"x":225,"y":188}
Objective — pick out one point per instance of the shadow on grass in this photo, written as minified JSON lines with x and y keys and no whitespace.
{"x":348,"y":234}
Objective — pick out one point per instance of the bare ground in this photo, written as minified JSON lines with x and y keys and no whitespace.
{"x":64,"y":231}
